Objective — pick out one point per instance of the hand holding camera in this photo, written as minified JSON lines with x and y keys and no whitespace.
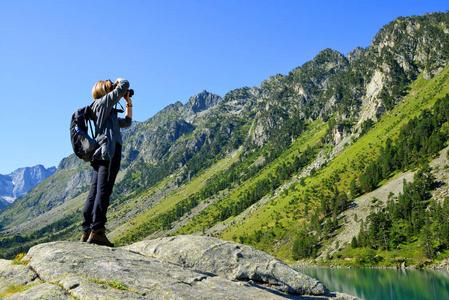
{"x":128,"y":100}
{"x":127,"y":95}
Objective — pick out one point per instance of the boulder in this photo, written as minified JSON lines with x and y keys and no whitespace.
{"x":230,"y":260}
{"x":13,"y":273}
{"x":92,"y":272}
{"x":67,"y":270}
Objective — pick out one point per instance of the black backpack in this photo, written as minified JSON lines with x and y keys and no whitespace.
{"x":83,"y":145}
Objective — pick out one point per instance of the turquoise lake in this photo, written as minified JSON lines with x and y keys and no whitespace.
{"x":384,"y":284}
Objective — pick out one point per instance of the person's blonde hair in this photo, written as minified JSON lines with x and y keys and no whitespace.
{"x":101,"y":88}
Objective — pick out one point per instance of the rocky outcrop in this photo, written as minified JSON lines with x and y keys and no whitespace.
{"x":230,"y":260}
{"x":67,"y":270}
{"x":12,"y":273}
{"x":18,"y":281}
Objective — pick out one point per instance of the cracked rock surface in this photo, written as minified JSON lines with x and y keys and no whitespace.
{"x":229,"y":260}
{"x":74,"y":270}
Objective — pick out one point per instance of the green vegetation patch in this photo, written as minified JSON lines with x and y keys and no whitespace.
{"x":113,"y":283}
{"x":19,"y":259}
{"x":14,"y":289}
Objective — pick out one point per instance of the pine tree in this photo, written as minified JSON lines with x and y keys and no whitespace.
{"x":427,"y":242}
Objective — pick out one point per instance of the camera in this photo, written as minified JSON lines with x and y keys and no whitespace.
{"x":130,"y":93}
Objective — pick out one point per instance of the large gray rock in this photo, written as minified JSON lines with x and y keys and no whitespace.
{"x":41,"y":291}
{"x":229,"y":260}
{"x":14,"y":274}
{"x":73,"y":270}
{"x":19,"y":281}
{"x":92,"y":272}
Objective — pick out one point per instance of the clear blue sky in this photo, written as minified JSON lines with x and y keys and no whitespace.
{"x":52,"y":52}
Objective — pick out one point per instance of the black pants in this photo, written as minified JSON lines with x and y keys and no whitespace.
{"x":103,"y":178}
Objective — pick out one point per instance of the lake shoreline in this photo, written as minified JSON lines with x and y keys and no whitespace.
{"x":441,"y":266}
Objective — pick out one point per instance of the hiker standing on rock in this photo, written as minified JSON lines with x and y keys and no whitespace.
{"x":106,"y":159}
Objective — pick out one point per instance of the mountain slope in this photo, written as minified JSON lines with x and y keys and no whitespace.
{"x":282,"y":220}
{"x":369,"y":202}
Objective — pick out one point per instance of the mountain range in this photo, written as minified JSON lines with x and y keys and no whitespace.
{"x":21,"y":181}
{"x":279,"y":166}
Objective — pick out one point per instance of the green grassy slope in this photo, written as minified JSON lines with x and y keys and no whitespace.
{"x":280,"y":220}
{"x":210,"y":216}
{"x":148,"y":221}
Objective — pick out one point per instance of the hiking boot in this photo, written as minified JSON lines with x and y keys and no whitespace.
{"x":99,"y":237}
{"x":85,"y":236}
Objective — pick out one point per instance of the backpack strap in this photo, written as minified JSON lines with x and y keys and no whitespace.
{"x":89,"y":119}
{"x":91,"y":129}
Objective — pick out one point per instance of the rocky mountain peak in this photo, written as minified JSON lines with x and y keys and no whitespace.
{"x":202,"y":101}
{"x":328,"y":55}
{"x":22,"y":180}
{"x":326,"y":63}
{"x":171,"y":108}
{"x":417,"y":43}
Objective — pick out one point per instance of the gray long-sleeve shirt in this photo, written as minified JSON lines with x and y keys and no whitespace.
{"x":107,"y":123}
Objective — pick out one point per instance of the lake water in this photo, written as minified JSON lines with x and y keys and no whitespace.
{"x":377,"y":284}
